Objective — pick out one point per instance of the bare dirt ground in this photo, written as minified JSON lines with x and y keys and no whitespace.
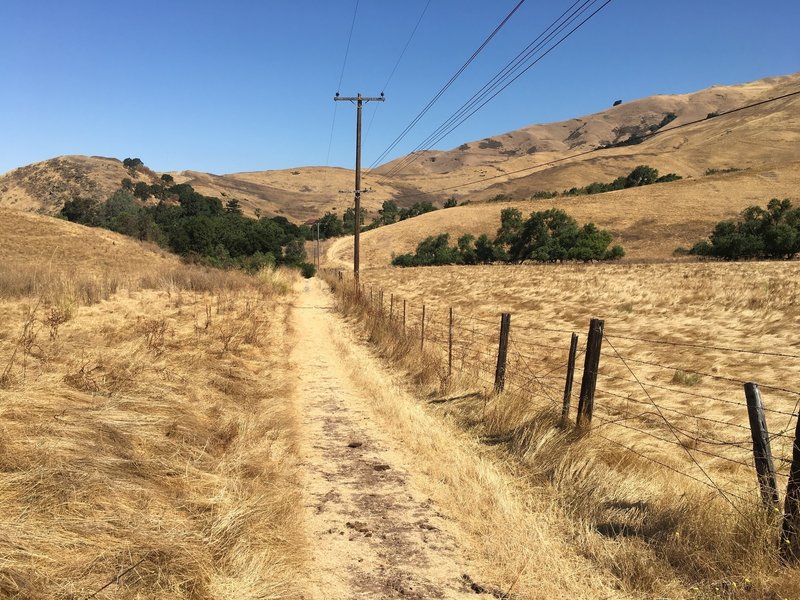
{"x":375,"y":533}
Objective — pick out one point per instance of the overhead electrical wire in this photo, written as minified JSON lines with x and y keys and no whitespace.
{"x":450,"y":82}
{"x":341,"y":77}
{"x":545,"y":42}
{"x":598,"y":149}
{"x":396,"y":64}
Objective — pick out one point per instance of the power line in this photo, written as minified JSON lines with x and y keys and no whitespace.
{"x":339,"y":86}
{"x":450,"y":82}
{"x":347,"y":49}
{"x":397,"y":64}
{"x":508,"y":75}
{"x":593,"y":150}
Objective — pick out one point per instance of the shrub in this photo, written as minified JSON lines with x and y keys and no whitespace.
{"x":773,"y":233}
{"x":308,"y":270}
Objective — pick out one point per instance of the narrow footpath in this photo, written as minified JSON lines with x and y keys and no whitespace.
{"x":374,"y":534}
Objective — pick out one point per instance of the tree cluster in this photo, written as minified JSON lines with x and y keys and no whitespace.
{"x":546,"y":236}
{"x":771,"y":233}
{"x":641,"y":175}
{"x":195,"y":226}
{"x":330,"y":225}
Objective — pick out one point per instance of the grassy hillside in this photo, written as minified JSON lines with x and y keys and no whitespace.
{"x":148,"y":448}
{"x":649,"y":221}
{"x":478,"y":170}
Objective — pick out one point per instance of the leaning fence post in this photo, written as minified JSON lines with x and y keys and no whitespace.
{"x":765,"y":469}
{"x":573,"y":351}
{"x":590,"y":367}
{"x":422,"y":336}
{"x":450,"y":346}
{"x":790,"y":531}
{"x":381,"y":300}
{"x":502,"y":353}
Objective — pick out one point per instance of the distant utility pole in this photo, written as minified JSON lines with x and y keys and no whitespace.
{"x":359,"y":100}
{"x":317,"y":248}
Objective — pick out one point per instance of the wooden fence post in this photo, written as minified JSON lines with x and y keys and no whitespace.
{"x":573,"y":351}
{"x":790,"y":530}
{"x":422,"y":336}
{"x":380,"y":297}
{"x":391,"y":308}
{"x":450,"y":346}
{"x":765,"y":469}
{"x":590,"y":367}
{"x":404,"y":316}
{"x":502,"y":353}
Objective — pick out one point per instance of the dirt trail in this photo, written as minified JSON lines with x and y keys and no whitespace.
{"x":374,"y":534}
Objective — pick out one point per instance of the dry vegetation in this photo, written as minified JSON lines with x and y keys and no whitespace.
{"x":148,"y":449}
{"x":641,"y":508}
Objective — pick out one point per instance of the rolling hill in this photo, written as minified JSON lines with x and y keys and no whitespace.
{"x":516,"y":163}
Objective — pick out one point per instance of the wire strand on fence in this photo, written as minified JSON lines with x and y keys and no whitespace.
{"x":705,"y":347}
{"x":670,"y":468}
{"x":666,"y":421}
{"x":704,"y":374}
{"x":673,"y":443}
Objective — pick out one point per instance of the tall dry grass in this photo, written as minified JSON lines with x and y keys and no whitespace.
{"x":147,"y":445}
{"x":644,"y":526}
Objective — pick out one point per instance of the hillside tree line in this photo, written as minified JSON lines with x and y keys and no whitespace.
{"x":546,"y":236}
{"x":197,"y":227}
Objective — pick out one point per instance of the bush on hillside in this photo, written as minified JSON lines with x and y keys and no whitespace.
{"x":546,"y":236}
{"x":773,"y":233}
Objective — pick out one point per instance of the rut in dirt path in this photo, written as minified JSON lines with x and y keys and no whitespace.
{"x":374,"y":535}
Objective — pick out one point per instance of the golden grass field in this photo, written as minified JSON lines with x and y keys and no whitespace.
{"x":748,"y":306}
{"x":649,"y":221}
{"x":147,"y":449}
{"x":641,"y":508}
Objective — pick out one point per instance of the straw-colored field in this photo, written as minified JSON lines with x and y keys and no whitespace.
{"x":147,"y":447}
{"x":686,"y":319}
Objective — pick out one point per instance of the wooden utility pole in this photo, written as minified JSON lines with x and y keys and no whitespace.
{"x":318,"y":258}
{"x":359,"y":100}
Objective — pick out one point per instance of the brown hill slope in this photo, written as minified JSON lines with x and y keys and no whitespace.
{"x":766,"y":134}
{"x":44,"y":186}
{"x":33,"y":242}
{"x":650,"y":221}
{"x":507,"y":163}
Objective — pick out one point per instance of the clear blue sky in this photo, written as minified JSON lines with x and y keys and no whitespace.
{"x":248,"y":85}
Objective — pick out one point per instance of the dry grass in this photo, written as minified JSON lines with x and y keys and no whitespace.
{"x":148,"y":449}
{"x":650,"y":531}
{"x":650,"y":222}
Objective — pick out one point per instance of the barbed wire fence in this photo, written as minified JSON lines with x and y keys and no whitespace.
{"x":708,"y":426}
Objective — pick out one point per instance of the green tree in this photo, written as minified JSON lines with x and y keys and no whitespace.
{"x":389,"y":212}
{"x":330,"y":226}
{"x":450,"y":202}
{"x":466,"y":248}
{"x":81,"y":210}
{"x":641,"y":175}
{"x":295,"y":252}
{"x":233,"y":207}
{"x":510,"y":227}
{"x":141,"y":190}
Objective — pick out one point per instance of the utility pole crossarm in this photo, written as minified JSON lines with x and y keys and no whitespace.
{"x":359,"y":100}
